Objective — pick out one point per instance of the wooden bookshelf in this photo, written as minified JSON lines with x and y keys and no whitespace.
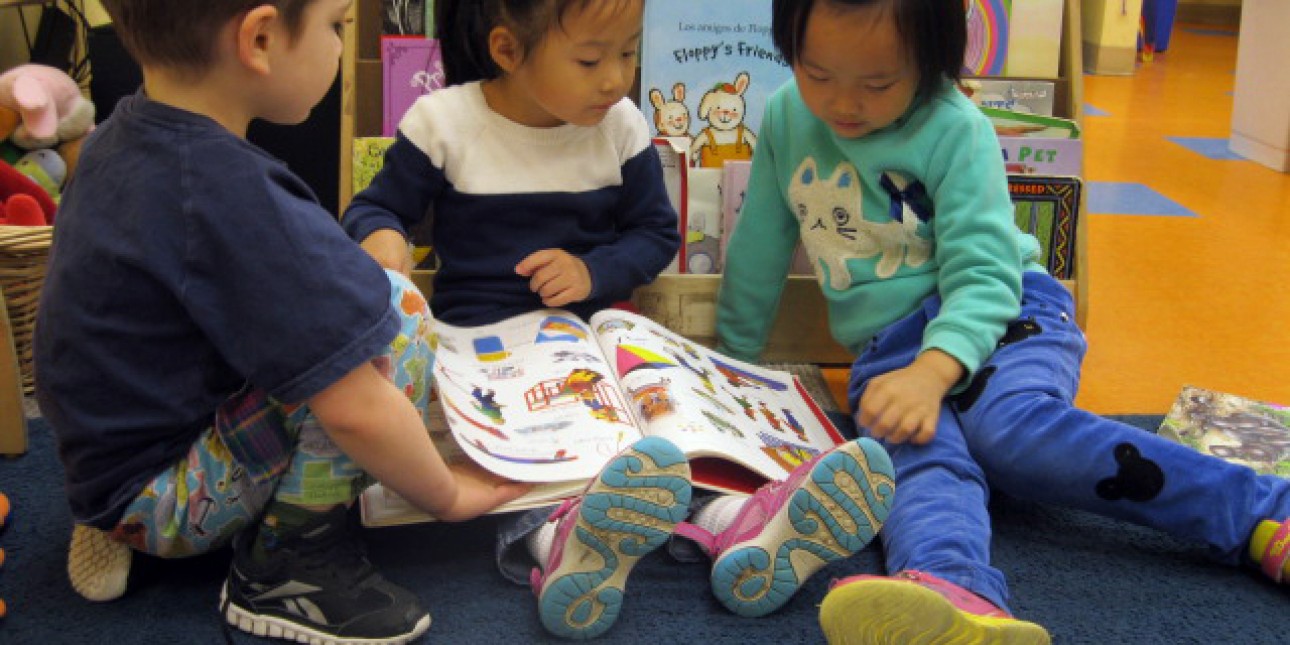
{"x":687,"y":303}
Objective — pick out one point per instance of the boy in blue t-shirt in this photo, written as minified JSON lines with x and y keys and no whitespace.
{"x":214,"y":352}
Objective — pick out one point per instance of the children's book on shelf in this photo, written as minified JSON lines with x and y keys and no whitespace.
{"x":707,"y":68}
{"x":1042,"y":156}
{"x":696,"y":194}
{"x":1016,"y":123}
{"x":411,"y":67}
{"x":1047,"y":207}
{"x":1232,"y":427}
{"x":1034,"y":97}
{"x":368,"y":155}
{"x":734,"y":184}
{"x":1013,"y":37}
{"x":406,"y":17}
{"x":1034,"y":38}
{"x":548,"y":397}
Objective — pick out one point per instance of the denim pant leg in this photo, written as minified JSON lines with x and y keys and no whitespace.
{"x":1024,"y":430}
{"x":939,"y":523}
{"x":513,"y":558}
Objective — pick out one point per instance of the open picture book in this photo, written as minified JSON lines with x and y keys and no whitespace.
{"x":1239,"y":429}
{"x":546,"y":397}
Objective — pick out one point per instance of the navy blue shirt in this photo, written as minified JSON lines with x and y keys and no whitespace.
{"x":186,"y":264}
{"x":499,"y":191}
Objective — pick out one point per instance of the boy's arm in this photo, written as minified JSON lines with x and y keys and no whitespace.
{"x":757,"y":258}
{"x":378,"y":427}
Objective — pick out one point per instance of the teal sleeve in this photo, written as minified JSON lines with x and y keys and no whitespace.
{"x":977,"y":246}
{"x":757,"y":257}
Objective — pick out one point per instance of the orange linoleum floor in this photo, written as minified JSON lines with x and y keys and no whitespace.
{"x":1180,"y":300}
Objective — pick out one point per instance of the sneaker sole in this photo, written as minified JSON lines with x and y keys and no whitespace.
{"x":837,"y":510}
{"x":97,"y":566}
{"x":895,"y":612}
{"x":278,"y":627}
{"x":627,"y":512}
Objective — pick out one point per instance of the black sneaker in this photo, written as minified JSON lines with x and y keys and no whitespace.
{"x":319,"y":587}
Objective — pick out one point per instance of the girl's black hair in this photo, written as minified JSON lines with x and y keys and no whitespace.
{"x":462,"y":27}
{"x":935,"y":31}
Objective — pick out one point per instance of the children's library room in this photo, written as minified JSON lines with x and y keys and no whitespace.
{"x":510,"y":321}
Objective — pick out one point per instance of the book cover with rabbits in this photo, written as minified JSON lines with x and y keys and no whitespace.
{"x":707,"y":68}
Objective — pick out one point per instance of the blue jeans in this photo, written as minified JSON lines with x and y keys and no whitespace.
{"x":1015,"y":429}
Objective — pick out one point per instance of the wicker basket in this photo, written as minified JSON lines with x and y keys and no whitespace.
{"x":24,"y":253}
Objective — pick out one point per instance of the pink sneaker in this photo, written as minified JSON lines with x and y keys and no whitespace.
{"x":827,"y":509}
{"x":911,"y":608}
{"x":629,"y":509}
{"x":1270,"y":548}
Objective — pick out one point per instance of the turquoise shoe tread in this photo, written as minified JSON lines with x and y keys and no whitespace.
{"x":837,"y":511}
{"x":629,"y":511}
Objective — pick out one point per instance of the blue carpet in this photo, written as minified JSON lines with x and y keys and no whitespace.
{"x":1086,"y":578}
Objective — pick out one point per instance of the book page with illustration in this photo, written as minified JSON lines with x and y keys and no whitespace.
{"x":710,"y":405}
{"x":546,"y":397}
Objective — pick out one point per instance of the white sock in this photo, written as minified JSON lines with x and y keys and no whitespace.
{"x":539,"y":543}
{"x":717,"y":515}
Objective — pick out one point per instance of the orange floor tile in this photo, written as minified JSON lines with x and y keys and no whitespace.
{"x":1180,"y":300}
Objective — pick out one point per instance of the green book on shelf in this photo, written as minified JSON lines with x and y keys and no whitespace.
{"x":1047,"y":207}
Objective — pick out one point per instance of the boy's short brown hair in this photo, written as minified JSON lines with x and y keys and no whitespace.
{"x":181,"y":33}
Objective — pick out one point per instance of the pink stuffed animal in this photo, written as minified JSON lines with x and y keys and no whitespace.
{"x":50,"y":106}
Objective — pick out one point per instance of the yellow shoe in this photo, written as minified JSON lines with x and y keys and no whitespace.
{"x":915,"y":608}
{"x":1270,"y":547}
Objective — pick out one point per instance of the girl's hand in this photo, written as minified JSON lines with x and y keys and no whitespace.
{"x":480,"y":491}
{"x":390,"y":250}
{"x":905,"y":404}
{"x":555,"y":275}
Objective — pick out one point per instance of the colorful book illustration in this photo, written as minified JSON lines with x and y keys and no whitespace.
{"x":1235,"y":428}
{"x":987,"y":37}
{"x":707,"y":69}
{"x":547,"y":397}
{"x":412,"y":66}
{"x":1048,"y":207}
{"x":1013,"y":38}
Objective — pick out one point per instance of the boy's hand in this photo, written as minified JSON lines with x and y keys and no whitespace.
{"x":390,"y":250}
{"x":555,"y":275}
{"x":480,"y":491}
{"x":905,"y":404}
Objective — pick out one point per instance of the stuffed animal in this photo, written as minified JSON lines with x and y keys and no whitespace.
{"x":50,"y":106}
{"x":23,"y":201}
{"x":8,"y":122}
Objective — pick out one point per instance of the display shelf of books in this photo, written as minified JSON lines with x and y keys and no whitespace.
{"x":686,"y":301}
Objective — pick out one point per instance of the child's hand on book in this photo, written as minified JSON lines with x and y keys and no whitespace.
{"x":555,"y":275}
{"x":480,"y":491}
{"x":390,"y":250}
